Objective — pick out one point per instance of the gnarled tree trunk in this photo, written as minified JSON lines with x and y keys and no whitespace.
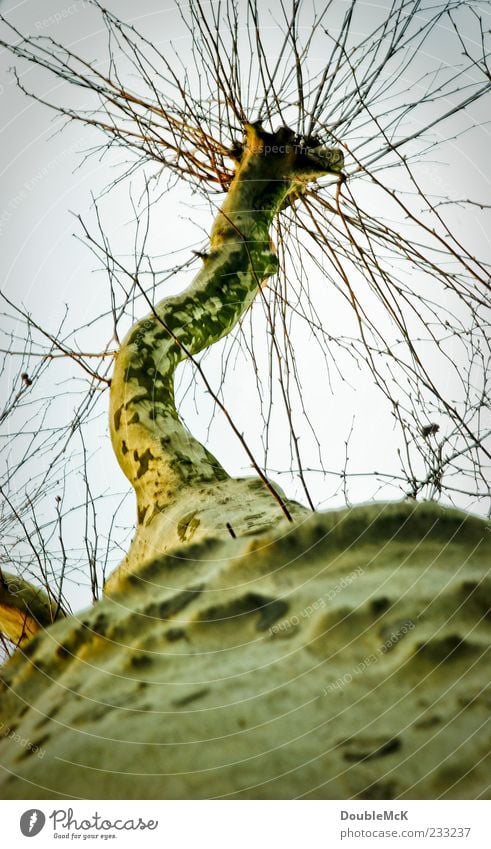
{"x":182,"y":490}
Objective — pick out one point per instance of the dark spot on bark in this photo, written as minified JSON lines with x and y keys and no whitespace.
{"x":93,"y":714}
{"x":141,"y":513}
{"x":367,"y":750}
{"x":139,"y":660}
{"x":473,"y":700}
{"x":77,"y":638}
{"x":270,"y":613}
{"x":32,"y":747}
{"x":100,"y":625}
{"x":428,"y":722}
{"x":196,"y":552}
{"x":117,"y":418}
{"x":174,"y":634}
{"x":378,"y":605}
{"x":40,"y":741}
{"x":119,"y":632}
{"x":32,"y":645}
{"x":256,"y":484}
{"x":171,"y":606}
{"x":477,"y":595}
{"x":41,"y":722}
{"x":192,"y":697}
{"x":133,"y":579}
{"x":269,"y":610}
{"x":172,"y":322}
{"x":449,"y":648}
{"x":62,"y":651}
{"x":144,"y":461}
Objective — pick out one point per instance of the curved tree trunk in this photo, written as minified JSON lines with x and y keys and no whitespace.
{"x":181,"y":488}
{"x":238,"y":653}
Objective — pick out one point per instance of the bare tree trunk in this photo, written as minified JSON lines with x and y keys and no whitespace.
{"x":182,"y":490}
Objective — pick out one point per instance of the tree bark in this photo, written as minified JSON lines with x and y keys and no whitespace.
{"x":178,"y":483}
{"x":343,"y":657}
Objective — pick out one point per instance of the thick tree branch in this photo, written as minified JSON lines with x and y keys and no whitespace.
{"x":24,"y":609}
